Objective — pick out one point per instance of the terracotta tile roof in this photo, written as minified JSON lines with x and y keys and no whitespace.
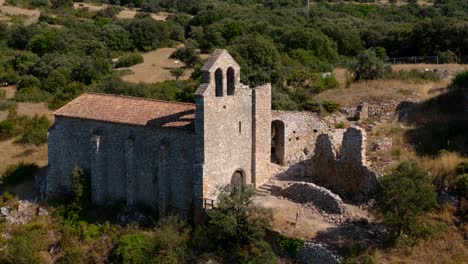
{"x":130,"y":110}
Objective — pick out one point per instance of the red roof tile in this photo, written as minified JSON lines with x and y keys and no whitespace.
{"x":130,"y":110}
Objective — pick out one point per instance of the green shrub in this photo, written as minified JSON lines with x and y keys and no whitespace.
{"x":6,"y":197}
{"x":462,"y":186}
{"x":81,"y":190}
{"x":9,"y":129}
{"x":7,"y":105}
{"x":128,"y":60}
{"x":19,"y":173}
{"x":462,"y":168}
{"x":340,"y":125}
{"x":129,"y":249}
{"x":35,"y":131}
{"x":368,"y":66}
{"x":32,"y":94}
{"x":291,"y":245}
{"x":26,"y":244}
{"x":399,"y":209}
{"x":2,"y":94}
{"x":461,"y":80}
{"x":330,"y":106}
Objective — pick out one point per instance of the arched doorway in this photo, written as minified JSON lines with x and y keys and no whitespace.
{"x":277,"y":142}
{"x":238,"y":178}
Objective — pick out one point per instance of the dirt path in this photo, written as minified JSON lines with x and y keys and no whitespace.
{"x":32,"y":16}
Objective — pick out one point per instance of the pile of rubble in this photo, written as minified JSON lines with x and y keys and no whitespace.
{"x":312,"y":252}
{"x":23,"y":214}
{"x":323,"y":199}
{"x":382,"y":144}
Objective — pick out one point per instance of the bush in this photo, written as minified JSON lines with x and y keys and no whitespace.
{"x":400,"y":209}
{"x":129,"y":60}
{"x":19,"y":173}
{"x":35,"y":131}
{"x":462,"y":186}
{"x":461,"y":80}
{"x":9,"y":129}
{"x":7,"y":105}
{"x":368,"y":66}
{"x":80,"y":190}
{"x":129,"y":249}
{"x":26,"y":244}
{"x":188,"y":55}
{"x":32,"y":94}
{"x":291,"y":245}
{"x":462,"y":168}
{"x":330,"y":106}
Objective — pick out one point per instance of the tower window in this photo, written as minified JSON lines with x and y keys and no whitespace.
{"x":230,"y":81}
{"x":219,"y":82}
{"x":240,"y":127}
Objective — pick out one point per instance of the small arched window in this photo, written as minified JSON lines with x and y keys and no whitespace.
{"x":230,"y":81}
{"x":219,"y":82}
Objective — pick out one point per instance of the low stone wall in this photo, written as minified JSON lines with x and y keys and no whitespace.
{"x":322,"y":198}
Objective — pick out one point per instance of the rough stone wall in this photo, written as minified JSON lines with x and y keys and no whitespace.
{"x":327,"y":149}
{"x":261,"y":134}
{"x":224,"y":130}
{"x":301,"y":132}
{"x":340,"y":164}
{"x":139,"y":165}
{"x":356,"y":180}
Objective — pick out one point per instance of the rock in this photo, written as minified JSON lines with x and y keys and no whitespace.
{"x":362,"y":111}
{"x":314,"y":253}
{"x":382,"y":144}
{"x":41,"y":211}
{"x":54,"y":249}
{"x":5,"y":211}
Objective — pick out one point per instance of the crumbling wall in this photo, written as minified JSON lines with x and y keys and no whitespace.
{"x":300,"y":134}
{"x":327,"y":149}
{"x":339,"y":163}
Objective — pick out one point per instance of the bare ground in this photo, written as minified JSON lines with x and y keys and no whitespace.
{"x":11,"y":153}
{"x":7,"y":12}
{"x":378,"y":91}
{"x":126,"y":13}
{"x":156,"y":67}
{"x":309,"y":223}
{"x":10,"y":90}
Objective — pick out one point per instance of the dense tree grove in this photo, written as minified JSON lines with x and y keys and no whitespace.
{"x":70,"y":50}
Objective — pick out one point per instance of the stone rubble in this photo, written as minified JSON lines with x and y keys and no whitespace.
{"x":315,"y":253}
{"x":22,"y":214}
{"x":382,"y":144}
{"x":323,"y":199}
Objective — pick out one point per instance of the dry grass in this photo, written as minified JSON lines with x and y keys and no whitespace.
{"x":31,"y":109}
{"x":126,"y":13}
{"x":10,"y":91}
{"x":156,"y":67}
{"x":378,"y":91}
{"x":11,"y":153}
{"x":7,"y":13}
{"x":448,"y":247}
{"x":445,"y":163}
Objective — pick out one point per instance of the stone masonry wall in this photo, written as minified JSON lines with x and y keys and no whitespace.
{"x":340,"y":164}
{"x":301,"y":132}
{"x":224,"y":129}
{"x":261,"y":134}
{"x":140,"y":165}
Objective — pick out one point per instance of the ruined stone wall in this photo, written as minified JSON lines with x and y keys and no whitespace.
{"x":127,"y":163}
{"x":339,"y":163}
{"x":301,"y":132}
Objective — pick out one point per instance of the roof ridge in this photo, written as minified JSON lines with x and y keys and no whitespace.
{"x":139,"y":98}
